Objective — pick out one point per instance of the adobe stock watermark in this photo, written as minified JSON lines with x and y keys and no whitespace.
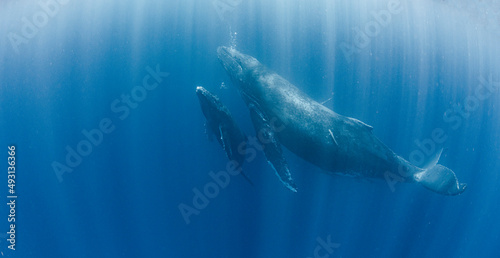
{"x":121,"y":107}
{"x":363,"y":35}
{"x":201,"y":199}
{"x":30,"y":27}
{"x":324,"y":249}
{"x":225,"y":7}
{"x":454,"y":117}
{"x":484,"y":13}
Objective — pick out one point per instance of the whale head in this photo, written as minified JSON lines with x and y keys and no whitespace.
{"x":206,"y":99}
{"x":243,"y":69}
{"x":236,"y":63}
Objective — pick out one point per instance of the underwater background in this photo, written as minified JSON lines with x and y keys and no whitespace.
{"x":407,"y":68}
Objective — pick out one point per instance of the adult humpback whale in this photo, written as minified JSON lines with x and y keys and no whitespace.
{"x":333,"y":142}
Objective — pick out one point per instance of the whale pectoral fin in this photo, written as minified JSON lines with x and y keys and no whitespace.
{"x":208,"y":132}
{"x":272,"y":147}
{"x":225,"y":140}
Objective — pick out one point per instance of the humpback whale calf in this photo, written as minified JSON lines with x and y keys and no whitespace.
{"x":221,"y":124}
{"x":335,"y":143}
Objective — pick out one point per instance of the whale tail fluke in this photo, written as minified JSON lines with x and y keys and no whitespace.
{"x":440,"y":179}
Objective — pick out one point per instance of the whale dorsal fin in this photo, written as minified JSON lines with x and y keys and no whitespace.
{"x":362,"y":124}
{"x":272,"y":147}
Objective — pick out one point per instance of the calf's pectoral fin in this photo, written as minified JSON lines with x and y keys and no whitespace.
{"x":226,"y":141}
{"x":272,"y":147}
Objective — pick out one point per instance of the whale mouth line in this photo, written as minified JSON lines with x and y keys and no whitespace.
{"x":228,"y":60}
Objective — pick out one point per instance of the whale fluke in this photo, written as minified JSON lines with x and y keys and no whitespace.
{"x":440,"y":179}
{"x":433,"y":160}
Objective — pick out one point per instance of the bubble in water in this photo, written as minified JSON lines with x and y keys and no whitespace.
{"x":232,"y":35}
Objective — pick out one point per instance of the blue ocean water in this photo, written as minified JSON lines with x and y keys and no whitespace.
{"x":407,"y":68}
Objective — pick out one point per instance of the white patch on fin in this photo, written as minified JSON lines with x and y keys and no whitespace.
{"x":226,"y":144}
{"x":222,"y":138}
{"x":333,"y":137}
